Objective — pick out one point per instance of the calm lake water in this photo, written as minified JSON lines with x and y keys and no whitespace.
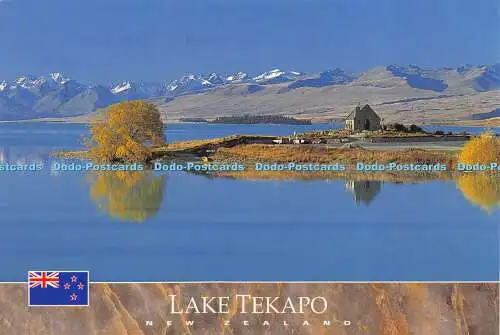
{"x":183,"y":227}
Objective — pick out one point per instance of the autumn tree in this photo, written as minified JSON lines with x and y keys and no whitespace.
{"x":484,"y":149}
{"x":126,"y":132}
{"x":482,"y":189}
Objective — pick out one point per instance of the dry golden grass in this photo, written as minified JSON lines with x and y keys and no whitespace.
{"x":186,"y":145}
{"x":283,"y":154}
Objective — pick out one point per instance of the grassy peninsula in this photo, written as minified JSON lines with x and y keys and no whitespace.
{"x":247,"y":150}
{"x":132,"y":132}
{"x":281,"y":154}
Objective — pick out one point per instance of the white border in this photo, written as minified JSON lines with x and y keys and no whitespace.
{"x":80,"y":271}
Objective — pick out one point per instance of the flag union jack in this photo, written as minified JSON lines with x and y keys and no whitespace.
{"x":43,"y":279}
{"x":58,"y":288}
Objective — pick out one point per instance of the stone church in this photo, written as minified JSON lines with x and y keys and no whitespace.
{"x":362,"y":119}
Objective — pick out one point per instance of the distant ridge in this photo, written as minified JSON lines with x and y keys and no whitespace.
{"x":272,"y":92}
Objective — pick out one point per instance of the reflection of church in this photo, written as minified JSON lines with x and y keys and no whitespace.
{"x":363,"y":191}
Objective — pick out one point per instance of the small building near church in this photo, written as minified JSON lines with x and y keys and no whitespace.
{"x":362,"y":119}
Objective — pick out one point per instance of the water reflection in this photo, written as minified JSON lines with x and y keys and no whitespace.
{"x":128,"y":196}
{"x":20,"y":156}
{"x":363,"y":191}
{"x":137,"y":196}
{"x":480,"y":189}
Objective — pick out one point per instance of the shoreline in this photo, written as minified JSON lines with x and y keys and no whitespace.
{"x":444,"y":171}
{"x":247,"y":151}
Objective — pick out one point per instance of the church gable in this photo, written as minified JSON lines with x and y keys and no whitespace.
{"x":362,"y":119}
{"x":367,"y":111}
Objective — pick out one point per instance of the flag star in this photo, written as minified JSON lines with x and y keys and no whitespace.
{"x":73,"y":297}
{"x":67,"y":286}
{"x":80,"y":286}
{"x":74,"y":279}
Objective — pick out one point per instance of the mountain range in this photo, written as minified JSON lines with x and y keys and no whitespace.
{"x":398,"y":93}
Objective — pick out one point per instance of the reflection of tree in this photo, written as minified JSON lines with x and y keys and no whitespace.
{"x":129,"y":196}
{"x":364,"y":190}
{"x":480,"y":189}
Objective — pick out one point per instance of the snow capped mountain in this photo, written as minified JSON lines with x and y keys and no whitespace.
{"x":125,"y":86}
{"x":56,"y":95}
{"x":129,"y":90}
{"x":59,"y":78}
{"x":276,"y":76}
{"x":236,"y":78}
{"x":192,"y":83}
{"x":43,"y":96}
{"x":215,"y":79}
{"x":28,"y":82}
{"x":42,"y":84}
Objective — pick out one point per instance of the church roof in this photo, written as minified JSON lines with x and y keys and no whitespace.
{"x":358,"y":112}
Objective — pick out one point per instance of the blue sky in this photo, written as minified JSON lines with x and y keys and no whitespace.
{"x":104,"y":40}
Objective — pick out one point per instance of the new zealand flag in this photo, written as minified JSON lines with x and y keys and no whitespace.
{"x":52,"y":288}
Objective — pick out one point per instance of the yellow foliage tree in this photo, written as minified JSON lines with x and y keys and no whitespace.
{"x":481,"y":189}
{"x":483,"y":149}
{"x":126,"y":132}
